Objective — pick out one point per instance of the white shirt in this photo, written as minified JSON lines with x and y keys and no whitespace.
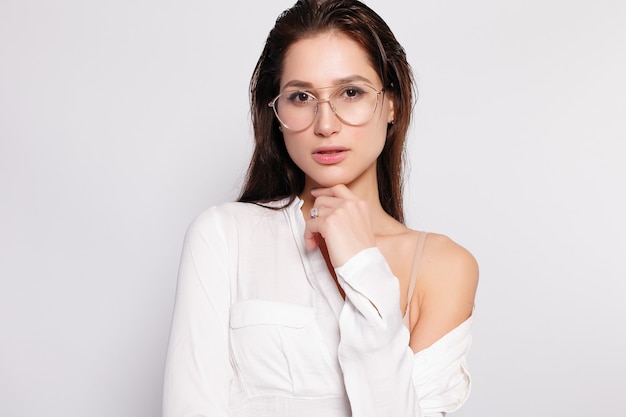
{"x":259,"y":329}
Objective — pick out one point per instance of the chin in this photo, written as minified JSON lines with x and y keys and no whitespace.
{"x":330,"y":177}
{"x":325,"y":182}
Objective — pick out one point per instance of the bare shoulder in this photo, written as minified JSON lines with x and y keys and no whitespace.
{"x":447,"y":262}
{"x":445,"y":290}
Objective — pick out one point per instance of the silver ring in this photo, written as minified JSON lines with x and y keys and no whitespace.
{"x":315,"y":212}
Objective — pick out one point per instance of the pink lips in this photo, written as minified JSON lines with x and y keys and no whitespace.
{"x":328,"y":155}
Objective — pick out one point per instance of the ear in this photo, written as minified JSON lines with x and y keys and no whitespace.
{"x":391,"y":116}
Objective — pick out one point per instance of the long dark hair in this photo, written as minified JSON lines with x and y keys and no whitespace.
{"x":272,"y":175}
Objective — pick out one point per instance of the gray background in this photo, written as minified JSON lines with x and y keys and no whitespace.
{"x":122,"y":120}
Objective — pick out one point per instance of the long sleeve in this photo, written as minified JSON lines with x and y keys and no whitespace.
{"x":440,"y":373}
{"x":198,"y":371}
{"x":382,"y":375}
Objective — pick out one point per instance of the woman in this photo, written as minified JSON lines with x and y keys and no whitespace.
{"x":309,"y":296}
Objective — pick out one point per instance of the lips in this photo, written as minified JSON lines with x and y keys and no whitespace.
{"x":329,"y":155}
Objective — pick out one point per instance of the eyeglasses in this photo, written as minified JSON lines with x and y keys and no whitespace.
{"x":353,"y":104}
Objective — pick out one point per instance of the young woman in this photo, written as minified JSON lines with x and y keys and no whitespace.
{"x":309,"y":296}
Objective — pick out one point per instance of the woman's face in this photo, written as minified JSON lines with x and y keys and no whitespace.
{"x":329,"y":151}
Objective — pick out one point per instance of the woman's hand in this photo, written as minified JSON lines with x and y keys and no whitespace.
{"x":343,"y":221}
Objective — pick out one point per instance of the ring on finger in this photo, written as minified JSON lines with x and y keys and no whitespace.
{"x":314,"y":212}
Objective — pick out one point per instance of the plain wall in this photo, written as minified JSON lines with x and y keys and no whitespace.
{"x":122,"y":120}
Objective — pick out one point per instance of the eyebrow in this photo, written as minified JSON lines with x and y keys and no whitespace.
{"x":339,"y":81}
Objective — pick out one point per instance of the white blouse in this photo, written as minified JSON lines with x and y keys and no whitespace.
{"x":259,"y":329}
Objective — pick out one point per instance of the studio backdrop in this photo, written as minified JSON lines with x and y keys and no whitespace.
{"x":120,"y":121}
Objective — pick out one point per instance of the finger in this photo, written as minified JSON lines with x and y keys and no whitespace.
{"x":311,"y":240}
{"x":311,"y":233}
{"x":339,"y":190}
{"x":328,"y":202}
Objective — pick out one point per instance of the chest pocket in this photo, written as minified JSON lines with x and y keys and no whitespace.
{"x":278,"y":349}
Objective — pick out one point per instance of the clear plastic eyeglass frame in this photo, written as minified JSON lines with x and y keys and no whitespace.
{"x":329,"y":100}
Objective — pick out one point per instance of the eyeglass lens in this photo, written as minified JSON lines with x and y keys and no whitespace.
{"x":353,"y":104}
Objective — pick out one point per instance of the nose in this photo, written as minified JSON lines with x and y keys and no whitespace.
{"x":326,"y":121}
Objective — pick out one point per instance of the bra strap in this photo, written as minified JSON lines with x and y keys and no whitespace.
{"x":415,"y":267}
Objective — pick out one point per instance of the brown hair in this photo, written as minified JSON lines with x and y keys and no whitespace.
{"x":272,"y":175}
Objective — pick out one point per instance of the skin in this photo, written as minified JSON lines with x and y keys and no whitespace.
{"x":351,"y":217}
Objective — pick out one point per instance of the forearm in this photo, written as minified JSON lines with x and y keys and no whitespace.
{"x":374,"y":351}
{"x":197,"y":371}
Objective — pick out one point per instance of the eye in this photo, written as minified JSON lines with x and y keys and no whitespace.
{"x":350,"y":93}
{"x":300,"y":97}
